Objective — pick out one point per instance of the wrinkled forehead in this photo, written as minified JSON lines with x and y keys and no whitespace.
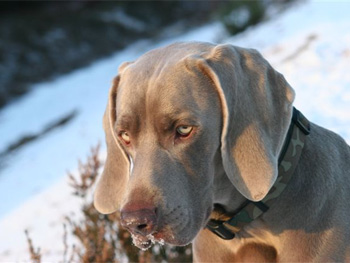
{"x":164,"y":83}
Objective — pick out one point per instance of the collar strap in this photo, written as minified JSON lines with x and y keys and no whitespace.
{"x":287,"y":162}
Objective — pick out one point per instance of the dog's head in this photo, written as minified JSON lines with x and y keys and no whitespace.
{"x":176,"y":116}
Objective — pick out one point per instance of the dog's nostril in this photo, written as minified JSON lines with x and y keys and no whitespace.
{"x":141,"y":227}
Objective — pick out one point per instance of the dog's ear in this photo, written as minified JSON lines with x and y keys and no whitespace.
{"x":256,"y":108}
{"x":111,"y":185}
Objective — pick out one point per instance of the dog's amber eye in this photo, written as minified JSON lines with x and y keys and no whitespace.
{"x":125,"y":137}
{"x":184,"y":130}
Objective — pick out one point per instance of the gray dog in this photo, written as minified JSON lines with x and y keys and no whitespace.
{"x":204,"y":146}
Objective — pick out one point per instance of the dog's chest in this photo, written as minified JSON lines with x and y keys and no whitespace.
{"x":208,"y":248}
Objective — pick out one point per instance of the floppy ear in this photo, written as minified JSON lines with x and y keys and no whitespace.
{"x":110,"y":188}
{"x":256,"y":108}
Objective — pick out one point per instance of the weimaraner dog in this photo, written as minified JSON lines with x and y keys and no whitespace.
{"x":204,"y":146}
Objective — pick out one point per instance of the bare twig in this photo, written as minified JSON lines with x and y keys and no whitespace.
{"x":65,"y":245}
{"x":35,"y":255}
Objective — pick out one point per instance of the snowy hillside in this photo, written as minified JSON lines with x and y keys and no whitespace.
{"x":309,"y":44}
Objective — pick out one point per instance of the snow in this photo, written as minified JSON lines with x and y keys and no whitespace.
{"x":309,"y":44}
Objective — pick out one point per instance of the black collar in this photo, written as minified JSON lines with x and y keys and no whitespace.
{"x":287,"y":162}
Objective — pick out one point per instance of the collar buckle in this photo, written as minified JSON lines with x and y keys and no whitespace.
{"x":218,"y":228}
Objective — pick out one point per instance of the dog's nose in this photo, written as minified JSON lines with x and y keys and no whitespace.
{"x":142,"y":221}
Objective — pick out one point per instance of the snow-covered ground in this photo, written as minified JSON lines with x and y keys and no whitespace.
{"x":309,"y":44}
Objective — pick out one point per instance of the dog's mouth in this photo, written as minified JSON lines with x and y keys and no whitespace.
{"x":145,"y":242}
{"x":166,"y":234}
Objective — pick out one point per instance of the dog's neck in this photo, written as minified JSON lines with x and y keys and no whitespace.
{"x":232,"y":211}
{"x":227,"y":199}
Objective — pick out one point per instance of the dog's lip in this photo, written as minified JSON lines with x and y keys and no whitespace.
{"x":145,"y":242}
{"x":159,"y":237}
{"x":142,"y":242}
{"x":169,"y":238}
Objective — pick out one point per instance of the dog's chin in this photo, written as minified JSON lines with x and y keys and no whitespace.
{"x":142,"y":242}
{"x":172,"y":235}
{"x":161,"y":238}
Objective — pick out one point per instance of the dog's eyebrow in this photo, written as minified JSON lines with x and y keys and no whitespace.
{"x":126,"y":122}
{"x":169,"y":121}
